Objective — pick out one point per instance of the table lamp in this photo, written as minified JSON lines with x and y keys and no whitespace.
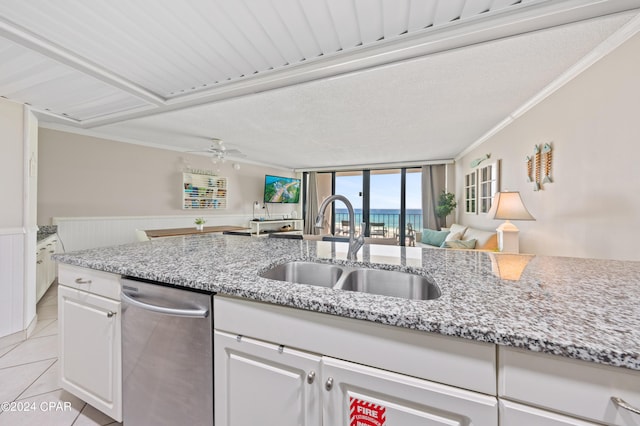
{"x":508,"y":206}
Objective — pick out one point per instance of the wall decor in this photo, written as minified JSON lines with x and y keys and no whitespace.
{"x":529,"y":168}
{"x":477,"y":161}
{"x":538,"y":160}
{"x":547,"y":153}
{"x":542,"y":157}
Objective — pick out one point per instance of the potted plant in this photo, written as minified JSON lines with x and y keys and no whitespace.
{"x":200,"y":223}
{"x":446,"y":204}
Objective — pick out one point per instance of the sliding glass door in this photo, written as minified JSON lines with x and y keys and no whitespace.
{"x":413,"y":205}
{"x":389,"y":201}
{"x":385,"y":203}
{"x":348,"y":184}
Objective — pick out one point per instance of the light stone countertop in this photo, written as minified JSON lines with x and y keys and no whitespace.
{"x":584,"y":309}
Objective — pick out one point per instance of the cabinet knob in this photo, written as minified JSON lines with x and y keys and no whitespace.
{"x":329,"y":385}
{"x":311,"y":377}
{"x":110,"y":314}
{"x":82,"y":281}
{"x":39,"y":262}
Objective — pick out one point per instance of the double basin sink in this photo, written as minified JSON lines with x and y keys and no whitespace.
{"x":365,"y":280}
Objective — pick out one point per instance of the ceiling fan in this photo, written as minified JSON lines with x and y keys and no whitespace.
{"x":219,"y":151}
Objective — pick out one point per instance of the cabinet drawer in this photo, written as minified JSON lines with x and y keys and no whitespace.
{"x":513,"y":414}
{"x":89,"y":280}
{"x":450,"y":360}
{"x":577,"y":388}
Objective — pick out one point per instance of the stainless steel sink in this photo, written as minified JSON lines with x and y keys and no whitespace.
{"x":391,"y":283}
{"x":365,"y":280}
{"x":300,"y":272}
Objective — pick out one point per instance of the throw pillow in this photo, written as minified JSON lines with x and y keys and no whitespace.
{"x":459,"y":244}
{"x":458,"y":228}
{"x":453,"y":236}
{"x":434,"y":238}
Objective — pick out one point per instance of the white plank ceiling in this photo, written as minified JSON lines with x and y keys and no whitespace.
{"x":294,"y":83}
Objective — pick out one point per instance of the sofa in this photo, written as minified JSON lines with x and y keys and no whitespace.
{"x":458,"y":237}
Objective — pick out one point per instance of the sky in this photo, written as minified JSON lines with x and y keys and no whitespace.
{"x":385,"y":190}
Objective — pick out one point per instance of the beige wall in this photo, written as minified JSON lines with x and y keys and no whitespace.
{"x":593,"y":207}
{"x":82,"y":176}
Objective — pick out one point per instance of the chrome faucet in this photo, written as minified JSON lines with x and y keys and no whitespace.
{"x":354,"y":243}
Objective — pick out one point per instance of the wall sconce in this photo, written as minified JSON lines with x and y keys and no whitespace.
{"x":508,"y":206}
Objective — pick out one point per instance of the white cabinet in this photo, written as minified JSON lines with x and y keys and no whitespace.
{"x":45,"y":267}
{"x":259,"y":383}
{"x":568,"y":387}
{"x":90,"y":339}
{"x":357,"y":394}
{"x":513,"y":414}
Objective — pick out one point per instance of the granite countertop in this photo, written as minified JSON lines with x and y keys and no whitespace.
{"x":584,"y":309}
{"x":45,"y":231}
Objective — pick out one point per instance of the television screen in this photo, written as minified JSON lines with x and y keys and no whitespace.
{"x":278,"y":189}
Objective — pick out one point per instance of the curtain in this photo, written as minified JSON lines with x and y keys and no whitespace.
{"x":312,"y":205}
{"x":433,"y":183}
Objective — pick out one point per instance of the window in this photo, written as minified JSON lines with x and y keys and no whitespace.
{"x":480,"y":186}
{"x":488,"y":181}
{"x":470,"y":200}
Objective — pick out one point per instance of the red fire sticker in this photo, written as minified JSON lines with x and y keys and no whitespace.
{"x":363,"y":413}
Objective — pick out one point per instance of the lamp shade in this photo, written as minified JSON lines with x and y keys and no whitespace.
{"x":509,"y":206}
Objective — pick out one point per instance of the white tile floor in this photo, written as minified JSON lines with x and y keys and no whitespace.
{"x":29,"y":378}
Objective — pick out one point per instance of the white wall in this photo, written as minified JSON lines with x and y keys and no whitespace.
{"x":17,"y":219}
{"x":11,"y":164}
{"x":592,"y":209}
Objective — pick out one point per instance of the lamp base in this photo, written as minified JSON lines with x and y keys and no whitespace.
{"x":508,"y":238}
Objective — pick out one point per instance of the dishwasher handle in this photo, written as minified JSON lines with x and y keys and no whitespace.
{"x":189,"y":313}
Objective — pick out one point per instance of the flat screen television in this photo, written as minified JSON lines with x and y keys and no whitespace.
{"x":278,"y":189}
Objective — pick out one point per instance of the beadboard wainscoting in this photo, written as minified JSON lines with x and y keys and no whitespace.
{"x":12,"y":278}
{"x":78,"y":233}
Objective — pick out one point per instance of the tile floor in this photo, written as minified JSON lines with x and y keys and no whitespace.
{"x":29,"y":377}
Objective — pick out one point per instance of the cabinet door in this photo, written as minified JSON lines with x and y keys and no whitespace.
{"x":51,"y":248}
{"x":90,"y":349}
{"x":258,"y":383}
{"x":41,"y":272}
{"x":512,"y":414}
{"x":358,"y":395}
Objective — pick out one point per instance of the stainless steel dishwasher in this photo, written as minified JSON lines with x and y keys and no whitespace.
{"x":167,"y":355}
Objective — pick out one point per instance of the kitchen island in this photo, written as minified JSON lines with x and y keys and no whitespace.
{"x":579,"y":309}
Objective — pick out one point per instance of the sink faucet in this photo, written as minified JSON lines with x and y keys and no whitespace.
{"x":354,"y":243}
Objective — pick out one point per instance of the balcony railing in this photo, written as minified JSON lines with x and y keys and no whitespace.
{"x":391,"y":221}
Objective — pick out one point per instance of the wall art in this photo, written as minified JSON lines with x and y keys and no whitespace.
{"x":539,"y":166}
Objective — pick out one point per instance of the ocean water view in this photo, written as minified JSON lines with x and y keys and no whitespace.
{"x":390,"y":217}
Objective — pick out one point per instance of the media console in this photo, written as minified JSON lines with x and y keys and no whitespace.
{"x":261,"y":228}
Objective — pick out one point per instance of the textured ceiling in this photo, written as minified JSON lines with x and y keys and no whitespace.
{"x":423,"y":109}
{"x":294,"y":83}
